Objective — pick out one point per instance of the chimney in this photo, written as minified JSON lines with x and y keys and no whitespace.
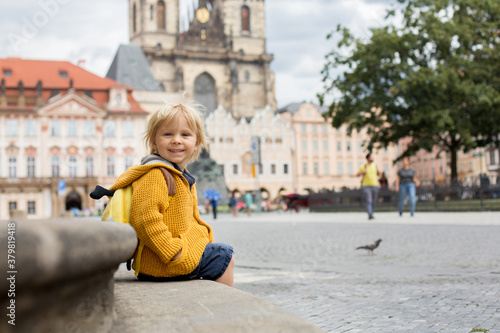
{"x":39,"y":99}
{"x":3,"y":98}
{"x":21,"y":101}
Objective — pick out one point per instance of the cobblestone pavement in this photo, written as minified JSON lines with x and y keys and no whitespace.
{"x":436,"y":272}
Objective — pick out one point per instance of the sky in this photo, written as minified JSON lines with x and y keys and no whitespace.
{"x":92,"y":30}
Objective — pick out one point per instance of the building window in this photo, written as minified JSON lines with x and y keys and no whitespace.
{"x":31,"y":208}
{"x":109,"y":129}
{"x":273,"y":169}
{"x":304,"y":145}
{"x":160,"y":6}
{"x":326,"y":168}
{"x":31,"y":166}
{"x":12,"y":205}
{"x":55,"y":166}
{"x":71,"y":128}
{"x":304,"y":168}
{"x":285,"y":169}
{"x":316,"y":168}
{"x":129,"y":161}
{"x":325,"y":128}
{"x":89,"y":166}
{"x":134,"y":18}
{"x":340,"y":168}
{"x":55,"y":127}
{"x":325,"y":146}
{"x":89,"y":128}
{"x":348,"y":145}
{"x":30,"y":127}
{"x":492,"y":157}
{"x":235,"y":169}
{"x":7,"y":72}
{"x":151,"y":12}
{"x":222,"y":169}
{"x":245,"y":18}
{"x":315,"y":146}
{"x":360,"y":146}
{"x":339,"y":146}
{"x":11,"y":127}
{"x":261,"y":169}
{"x":315,"y":128}
{"x":12,"y":167}
{"x":111,"y":166}
{"x":350,"y":170}
{"x":303,"y":128}
{"x":72,"y":166}
{"x":128,"y":129}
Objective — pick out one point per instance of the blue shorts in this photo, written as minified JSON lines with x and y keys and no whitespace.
{"x":212,"y":266}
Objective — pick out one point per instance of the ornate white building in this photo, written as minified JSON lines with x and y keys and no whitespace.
{"x":230,"y":146}
{"x":62,"y":131}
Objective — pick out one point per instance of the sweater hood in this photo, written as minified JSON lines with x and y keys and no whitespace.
{"x":137,"y":171}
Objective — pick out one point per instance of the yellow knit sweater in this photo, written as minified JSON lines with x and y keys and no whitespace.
{"x":165,"y":227}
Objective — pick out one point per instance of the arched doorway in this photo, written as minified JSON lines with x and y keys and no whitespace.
{"x":205,"y":92}
{"x":73,"y":200}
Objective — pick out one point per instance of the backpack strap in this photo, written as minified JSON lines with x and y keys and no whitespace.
{"x":169,"y":179}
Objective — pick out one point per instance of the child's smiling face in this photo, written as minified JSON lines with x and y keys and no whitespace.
{"x":176,"y":141}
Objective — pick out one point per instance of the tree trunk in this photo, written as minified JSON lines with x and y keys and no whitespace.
{"x":453,"y":165}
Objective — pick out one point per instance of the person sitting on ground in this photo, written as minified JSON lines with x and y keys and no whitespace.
{"x":177,"y":244}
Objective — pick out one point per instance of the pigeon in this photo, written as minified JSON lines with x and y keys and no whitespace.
{"x":370,"y":247}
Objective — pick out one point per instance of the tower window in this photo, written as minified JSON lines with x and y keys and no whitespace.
{"x":151,"y":11}
{"x":245,"y":18}
{"x":134,"y":18}
{"x":161,"y":14}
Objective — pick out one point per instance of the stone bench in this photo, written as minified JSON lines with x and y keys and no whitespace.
{"x":196,"y":306}
{"x":66,"y":280}
{"x":64,"y":274}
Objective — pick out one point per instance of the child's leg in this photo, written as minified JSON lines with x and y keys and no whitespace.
{"x":227,"y":277}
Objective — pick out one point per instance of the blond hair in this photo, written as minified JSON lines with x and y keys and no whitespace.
{"x":171,"y":112}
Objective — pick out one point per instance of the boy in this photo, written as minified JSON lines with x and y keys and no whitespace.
{"x":176,"y":243}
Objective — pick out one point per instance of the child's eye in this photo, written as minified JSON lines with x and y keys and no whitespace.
{"x":167,"y":134}
{"x":186,"y":134}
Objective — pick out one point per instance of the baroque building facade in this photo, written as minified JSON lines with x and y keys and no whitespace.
{"x":220,"y":59}
{"x":62,"y":131}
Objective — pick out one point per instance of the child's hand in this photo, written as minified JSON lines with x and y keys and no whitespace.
{"x":177,"y":255}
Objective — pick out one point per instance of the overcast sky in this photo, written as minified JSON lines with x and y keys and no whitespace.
{"x":92,"y":30}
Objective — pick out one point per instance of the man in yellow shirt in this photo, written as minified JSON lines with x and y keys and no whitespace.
{"x":369,"y":184}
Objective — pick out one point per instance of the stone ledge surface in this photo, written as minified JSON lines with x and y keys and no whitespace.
{"x":196,"y":306}
{"x":48,"y":251}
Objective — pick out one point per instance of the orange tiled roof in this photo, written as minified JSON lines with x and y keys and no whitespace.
{"x":57,"y":75}
{"x":51,"y":73}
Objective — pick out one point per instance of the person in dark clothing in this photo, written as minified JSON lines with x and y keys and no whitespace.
{"x":406,"y":184}
{"x":213,"y":201}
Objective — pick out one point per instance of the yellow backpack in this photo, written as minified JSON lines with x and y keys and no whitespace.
{"x":118,"y":209}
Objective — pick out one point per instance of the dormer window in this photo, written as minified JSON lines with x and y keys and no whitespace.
{"x":63,"y":74}
{"x":118,"y":99}
{"x":7,"y":72}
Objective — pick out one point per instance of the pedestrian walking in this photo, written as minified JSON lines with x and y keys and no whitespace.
{"x":248,"y":203}
{"x":233,"y":204}
{"x":369,"y":184}
{"x":213,"y":201}
{"x":406,"y":184}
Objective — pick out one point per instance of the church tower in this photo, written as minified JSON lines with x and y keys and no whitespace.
{"x":220,"y":59}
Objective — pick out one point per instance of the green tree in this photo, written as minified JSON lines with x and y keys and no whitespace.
{"x":433,"y":76}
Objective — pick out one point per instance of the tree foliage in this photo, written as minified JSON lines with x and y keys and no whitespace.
{"x":434,"y":77}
